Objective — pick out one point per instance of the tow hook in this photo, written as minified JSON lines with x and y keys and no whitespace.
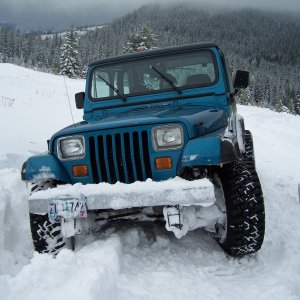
{"x":173,"y":217}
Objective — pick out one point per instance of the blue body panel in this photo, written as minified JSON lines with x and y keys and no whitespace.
{"x":204,"y":113}
{"x":198,"y":118}
{"x":203,"y":151}
{"x":45,"y":166}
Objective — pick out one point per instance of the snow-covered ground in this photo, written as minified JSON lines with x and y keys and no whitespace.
{"x":141,"y":261}
{"x":78,"y":32}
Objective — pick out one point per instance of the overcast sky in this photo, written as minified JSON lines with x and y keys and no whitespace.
{"x":59,"y":14}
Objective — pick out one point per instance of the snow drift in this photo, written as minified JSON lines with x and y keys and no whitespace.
{"x":141,"y":261}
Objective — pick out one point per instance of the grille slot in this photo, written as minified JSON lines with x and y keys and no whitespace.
{"x":128,"y":158}
{"x":101,"y":155}
{"x":137,"y":156}
{"x":93,"y":160}
{"x":111,"y":160}
{"x":146,"y":154}
{"x":120,"y":157}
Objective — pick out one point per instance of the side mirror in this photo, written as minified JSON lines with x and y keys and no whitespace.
{"x":79,"y":100}
{"x":241,"y":80}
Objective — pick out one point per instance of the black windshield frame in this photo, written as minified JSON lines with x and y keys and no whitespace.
{"x":157,"y":58}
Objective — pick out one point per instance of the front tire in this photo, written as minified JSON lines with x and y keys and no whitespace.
{"x":46,"y":234}
{"x":248,"y":156}
{"x":243,"y":230}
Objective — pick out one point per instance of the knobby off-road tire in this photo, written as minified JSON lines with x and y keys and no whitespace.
{"x":245,"y":215}
{"x":248,"y":156}
{"x":46,"y":234}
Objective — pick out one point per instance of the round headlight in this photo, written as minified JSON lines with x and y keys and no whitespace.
{"x":167,"y":137}
{"x":71,"y":147}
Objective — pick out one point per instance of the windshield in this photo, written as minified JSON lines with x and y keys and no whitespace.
{"x":153,"y":75}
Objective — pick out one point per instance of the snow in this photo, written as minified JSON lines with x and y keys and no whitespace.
{"x":104,"y":196}
{"x":79,"y":32}
{"x":35,"y":95}
{"x":94,"y":272}
{"x":188,"y":158}
{"x":191,"y":218}
{"x":239,"y":128}
{"x":141,"y":261}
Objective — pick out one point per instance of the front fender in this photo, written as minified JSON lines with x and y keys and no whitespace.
{"x":43,"y":167}
{"x":207,"y":151}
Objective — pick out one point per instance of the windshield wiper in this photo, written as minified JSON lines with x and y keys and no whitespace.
{"x":166,"y":79}
{"x":113,"y":88}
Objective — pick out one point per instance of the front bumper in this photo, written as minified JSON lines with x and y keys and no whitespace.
{"x":138,"y":194}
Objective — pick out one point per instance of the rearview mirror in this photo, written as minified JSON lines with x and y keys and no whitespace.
{"x":241,"y":80}
{"x":79,"y":100}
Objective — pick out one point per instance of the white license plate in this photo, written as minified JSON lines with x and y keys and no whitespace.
{"x":66,"y":207}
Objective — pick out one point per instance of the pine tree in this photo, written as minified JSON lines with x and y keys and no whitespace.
{"x":69,"y":55}
{"x":84,"y":71}
{"x":279,"y":106}
{"x":244,"y":96}
{"x":4,"y":43}
{"x":18,"y":43}
{"x":142,"y":40}
{"x":297,"y":103}
{"x":27,"y":49}
{"x":55,"y":51}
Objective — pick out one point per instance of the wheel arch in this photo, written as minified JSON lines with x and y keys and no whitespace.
{"x":43,"y":167}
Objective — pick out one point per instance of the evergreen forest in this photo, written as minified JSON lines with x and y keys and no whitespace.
{"x":267,"y":44}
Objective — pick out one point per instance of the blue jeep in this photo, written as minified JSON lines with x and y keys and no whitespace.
{"x":160,"y":140}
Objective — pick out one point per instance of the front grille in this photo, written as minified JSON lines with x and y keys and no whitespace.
{"x":120,"y":157}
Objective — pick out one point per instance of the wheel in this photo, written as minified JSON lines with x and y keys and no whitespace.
{"x":240,"y":198}
{"x":46,"y":234}
{"x":248,"y":155}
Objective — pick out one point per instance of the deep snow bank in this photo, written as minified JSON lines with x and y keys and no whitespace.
{"x":33,"y":105}
{"x":91,"y":272}
{"x":143,"y":261}
{"x":15,"y":246}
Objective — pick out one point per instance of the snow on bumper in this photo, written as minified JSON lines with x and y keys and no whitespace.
{"x":138,"y":194}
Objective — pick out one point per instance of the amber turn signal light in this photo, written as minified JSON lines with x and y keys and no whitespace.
{"x":163,"y":163}
{"x":81,"y":170}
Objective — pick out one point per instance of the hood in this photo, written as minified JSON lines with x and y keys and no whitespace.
{"x":198,"y":120}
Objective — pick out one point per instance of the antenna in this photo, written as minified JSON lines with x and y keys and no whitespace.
{"x":69,"y":101}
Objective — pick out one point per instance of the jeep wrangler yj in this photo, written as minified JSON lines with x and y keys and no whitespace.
{"x":160,"y":140}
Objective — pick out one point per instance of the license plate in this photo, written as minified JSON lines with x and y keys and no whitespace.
{"x":66,"y":207}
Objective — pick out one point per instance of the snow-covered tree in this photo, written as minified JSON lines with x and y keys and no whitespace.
{"x":141,"y":40}
{"x":244,"y":96}
{"x":55,"y":53}
{"x":84,"y":71}
{"x":69,"y":55}
{"x":273,"y":65}
{"x":279,"y":106}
